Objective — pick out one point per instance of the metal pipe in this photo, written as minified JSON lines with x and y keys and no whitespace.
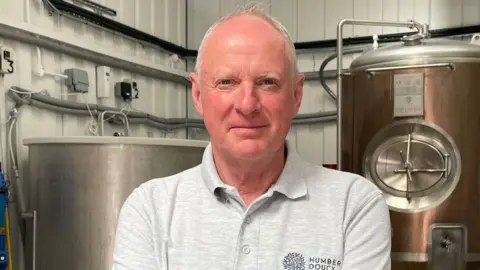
{"x":325,"y":63}
{"x":315,"y":75}
{"x":101,"y":119}
{"x":371,"y":71}
{"x":410,"y":24}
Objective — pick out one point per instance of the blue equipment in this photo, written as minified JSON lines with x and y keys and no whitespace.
{"x":4,"y":261}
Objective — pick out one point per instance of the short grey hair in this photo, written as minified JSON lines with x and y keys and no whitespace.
{"x":253,"y":9}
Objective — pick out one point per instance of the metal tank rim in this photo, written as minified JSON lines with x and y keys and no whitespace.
{"x":427,"y":51}
{"x":114,"y":140}
{"x":412,"y":62}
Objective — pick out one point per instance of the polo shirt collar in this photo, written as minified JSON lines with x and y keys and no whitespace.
{"x":291,"y":182}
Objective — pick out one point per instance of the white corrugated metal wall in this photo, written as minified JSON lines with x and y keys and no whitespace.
{"x":165,"y":19}
{"x":309,"y":20}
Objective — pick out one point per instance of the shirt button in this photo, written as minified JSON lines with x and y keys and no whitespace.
{"x":246,"y":249}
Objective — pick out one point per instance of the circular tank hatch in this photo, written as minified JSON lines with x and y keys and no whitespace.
{"x":415,"y":164}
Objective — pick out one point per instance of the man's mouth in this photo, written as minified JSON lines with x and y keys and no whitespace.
{"x":249,"y":127}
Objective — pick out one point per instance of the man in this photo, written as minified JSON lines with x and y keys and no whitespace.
{"x":252,"y":203}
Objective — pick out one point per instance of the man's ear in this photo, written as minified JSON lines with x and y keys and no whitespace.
{"x":298,"y":91}
{"x":196,"y":95}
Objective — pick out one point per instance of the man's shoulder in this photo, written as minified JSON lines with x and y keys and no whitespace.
{"x":323,"y":181}
{"x":342,"y":194}
{"x":171,"y":182}
{"x":153,"y":198}
{"x":162,"y":188}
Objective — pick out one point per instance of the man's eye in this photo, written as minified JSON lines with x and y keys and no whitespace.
{"x":268,"y":81}
{"x":226,"y":82}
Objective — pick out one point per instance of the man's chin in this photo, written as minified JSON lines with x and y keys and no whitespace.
{"x":250,"y":148}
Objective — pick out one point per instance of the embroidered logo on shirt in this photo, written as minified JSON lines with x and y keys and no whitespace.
{"x":294,"y":261}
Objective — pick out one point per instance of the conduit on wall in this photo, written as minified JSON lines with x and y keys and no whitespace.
{"x":136,"y":117}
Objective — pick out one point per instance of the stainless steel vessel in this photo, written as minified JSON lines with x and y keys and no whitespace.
{"x":410,"y":123}
{"x":77,"y":186}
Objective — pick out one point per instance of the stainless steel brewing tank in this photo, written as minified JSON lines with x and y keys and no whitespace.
{"x":77,"y":186}
{"x":411,"y":124}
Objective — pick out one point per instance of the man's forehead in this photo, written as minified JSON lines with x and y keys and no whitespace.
{"x":245,"y":36}
{"x":233,"y":63}
{"x":249,"y":23}
{"x":242,"y":30}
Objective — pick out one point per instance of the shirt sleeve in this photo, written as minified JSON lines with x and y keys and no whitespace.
{"x":134,"y":248}
{"x":368,"y":237}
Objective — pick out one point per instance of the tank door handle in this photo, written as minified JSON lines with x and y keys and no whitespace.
{"x":371,"y":71}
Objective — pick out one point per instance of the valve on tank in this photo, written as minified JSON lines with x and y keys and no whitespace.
{"x":446,"y":243}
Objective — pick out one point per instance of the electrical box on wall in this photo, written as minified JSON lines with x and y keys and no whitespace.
{"x":123,"y":90}
{"x":7,"y":64}
{"x":127,"y":90}
{"x":103,"y":82}
{"x":77,"y":80}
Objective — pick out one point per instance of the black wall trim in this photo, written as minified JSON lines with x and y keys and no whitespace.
{"x":184,"y":52}
{"x":91,"y":17}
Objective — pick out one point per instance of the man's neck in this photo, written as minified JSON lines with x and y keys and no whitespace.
{"x":251,"y":178}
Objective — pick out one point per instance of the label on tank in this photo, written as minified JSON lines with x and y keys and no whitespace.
{"x":408,"y":95}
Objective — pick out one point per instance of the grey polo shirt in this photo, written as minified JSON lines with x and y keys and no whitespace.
{"x":312,"y":218}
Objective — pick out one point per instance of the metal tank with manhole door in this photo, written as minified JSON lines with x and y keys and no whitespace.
{"x":411,"y":124}
{"x":77,"y":185}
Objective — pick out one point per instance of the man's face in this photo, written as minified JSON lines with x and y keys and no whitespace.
{"x":247,"y":92}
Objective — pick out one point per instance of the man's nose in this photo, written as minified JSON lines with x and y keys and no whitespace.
{"x":247,"y":101}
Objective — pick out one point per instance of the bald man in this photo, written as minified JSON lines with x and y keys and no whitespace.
{"x":253,"y":203}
